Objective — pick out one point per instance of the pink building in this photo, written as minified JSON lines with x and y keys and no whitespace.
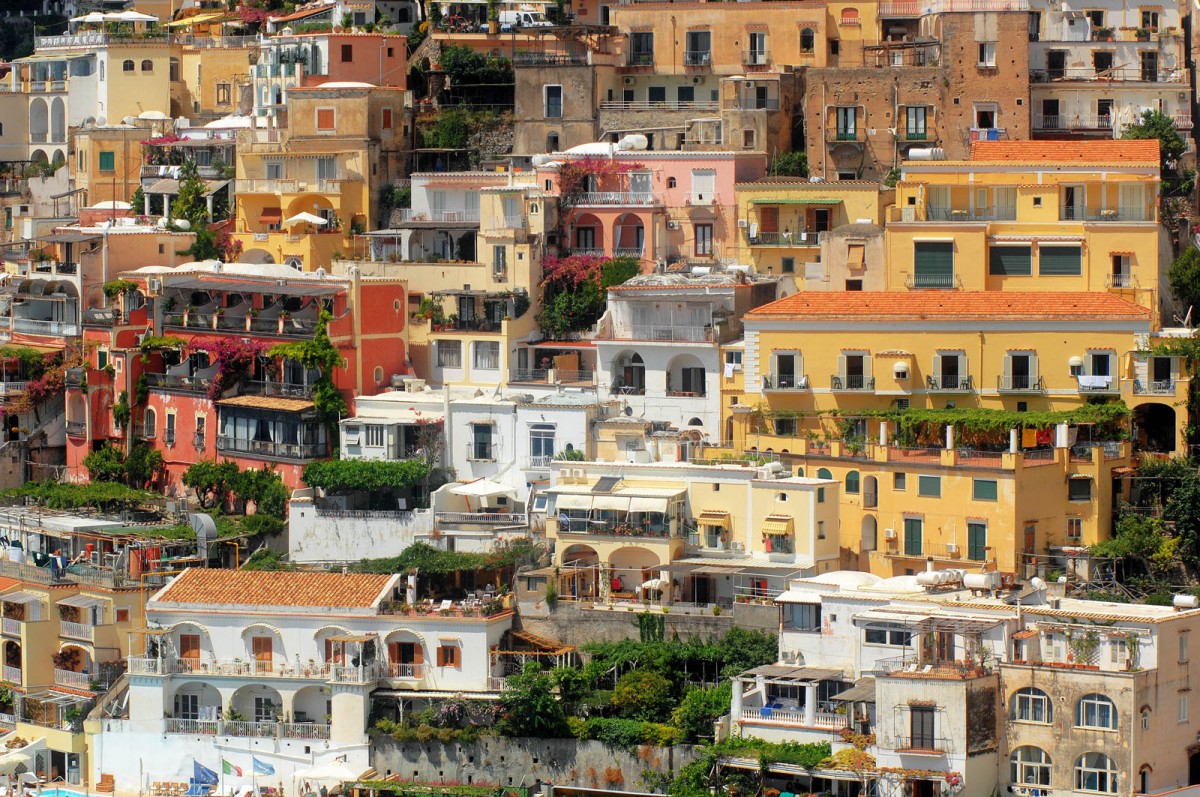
{"x":654,"y":205}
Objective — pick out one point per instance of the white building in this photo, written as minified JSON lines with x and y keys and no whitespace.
{"x":282,"y":666}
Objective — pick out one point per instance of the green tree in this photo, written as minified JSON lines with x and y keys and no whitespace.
{"x":643,"y":695}
{"x":212,"y":481}
{"x":106,"y":464}
{"x":790,"y":164}
{"x":700,"y":708}
{"x":528,"y":706}
{"x":142,"y":465}
{"x":1184,"y":274}
{"x":1156,"y":124}
{"x":191,"y":204}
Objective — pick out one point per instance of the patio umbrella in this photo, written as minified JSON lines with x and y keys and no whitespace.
{"x":483,"y":488}
{"x":130,"y":16}
{"x":655,"y":583}
{"x":95,"y":17}
{"x":332,"y":772}
{"x":310,"y":218}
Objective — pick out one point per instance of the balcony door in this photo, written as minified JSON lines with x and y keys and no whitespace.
{"x":262,"y":648}
{"x":785,"y":370}
{"x":187,"y":707}
{"x":1020,"y":371}
{"x":949,"y":368}
{"x":921,"y":725}
{"x":189,"y":647}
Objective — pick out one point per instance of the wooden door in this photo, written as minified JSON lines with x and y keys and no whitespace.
{"x":262,"y":648}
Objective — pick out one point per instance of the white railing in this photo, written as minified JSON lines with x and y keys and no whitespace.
{"x":260,"y":730}
{"x":7,"y":719}
{"x":405,"y":670}
{"x":303,"y":730}
{"x":497,"y":684}
{"x":408,"y":214}
{"x":538,"y":462}
{"x":470,"y":518}
{"x":193,"y":727}
{"x":12,"y":388}
{"x":139,"y":665}
{"x":12,"y":674}
{"x":821,"y":719}
{"x":11,"y":626}
{"x":77,"y":630}
{"x":682,"y":333}
{"x":617,"y":198}
{"x":345,"y":674}
{"x":586,"y":252}
{"x":259,"y":185}
{"x":71,"y":678}
{"x":35,"y":326}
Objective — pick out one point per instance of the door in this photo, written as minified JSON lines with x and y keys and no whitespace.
{"x":1130,"y":203}
{"x":1104,"y":113}
{"x":326,"y":169}
{"x":760,"y":97}
{"x":187,"y":707}
{"x":768,"y":219}
{"x":921,"y":725}
{"x":1120,"y":271}
{"x":1194,"y":769}
{"x":821,"y":220}
{"x":335,"y":653}
{"x":262,"y":649}
{"x":1160,"y":369}
{"x":1073,"y":202}
{"x":639,"y":184}
{"x":944,"y":650}
{"x":1019,"y":372}
{"x":1050,"y":115}
{"x":854,"y":371}
{"x":1056,"y":64}
{"x":950,"y":373}
{"x":976,"y":542}
{"x":785,"y":370}
{"x":1149,"y":66}
{"x":912,"y":536}
{"x":189,"y":648}
{"x":758,"y":48}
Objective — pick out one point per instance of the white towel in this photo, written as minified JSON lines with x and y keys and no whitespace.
{"x":1094,"y":381}
{"x":729,"y":370}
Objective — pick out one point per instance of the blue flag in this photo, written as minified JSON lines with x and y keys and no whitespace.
{"x":205,"y":776}
{"x":262,"y":767}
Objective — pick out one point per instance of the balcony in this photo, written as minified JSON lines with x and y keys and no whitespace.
{"x":12,"y":388}
{"x":255,"y":185}
{"x":81,"y":631}
{"x":638,"y":59}
{"x":12,"y":675}
{"x":414,"y":671}
{"x":1110,"y":214}
{"x":36,"y":326}
{"x":76,"y":680}
{"x":789,"y":382}
{"x":923,"y":745}
{"x":787,"y":240}
{"x":254,"y":730}
{"x":971,"y":215}
{"x":348,"y":674}
{"x":538,"y":463}
{"x":193,"y":727}
{"x":593,"y":528}
{"x":267,"y":448}
{"x":271,"y":388}
{"x":1120,"y":281}
{"x":697,"y":58}
{"x":825,"y":720}
{"x":1154,"y":387}
{"x":466,"y":216}
{"x":756,"y":58}
{"x":988,"y":134}
{"x":618,"y":199}
{"x":635,"y":253}
{"x":480,"y":518}
{"x":659,"y":107}
{"x":549,"y":59}
{"x":1096,"y":385}
{"x":1126,"y":74}
{"x":1045,"y":122}
{"x":1020,"y":384}
{"x":681,"y":334}
{"x":949,"y":384}
{"x":751,"y":104}
{"x":11,"y":626}
{"x":932,"y":282}
{"x":180,"y":383}
{"x":852,"y":382}
{"x":577,"y":251}
{"x":845,"y":135}
{"x":238,"y":668}
{"x":145,"y":431}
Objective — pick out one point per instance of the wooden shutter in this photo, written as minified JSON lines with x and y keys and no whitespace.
{"x":441,"y":656}
{"x":1010,"y":261}
{"x":325,"y":119}
{"x":418,"y":653}
{"x":937,"y":368}
{"x":976,"y":541}
{"x":189,"y":646}
{"x":261,"y":645}
{"x":841,"y":368}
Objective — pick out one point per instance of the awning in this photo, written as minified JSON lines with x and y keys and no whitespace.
{"x":714,"y":517}
{"x":648,"y":505}
{"x":196,"y":20}
{"x":483,"y":488}
{"x":22,"y":596}
{"x":778,"y":524}
{"x":863,"y":691}
{"x":796,"y":201}
{"x":82,"y":601}
{"x":271,"y":215}
{"x":574,"y":502}
{"x":799,"y":596}
{"x":616,"y":503}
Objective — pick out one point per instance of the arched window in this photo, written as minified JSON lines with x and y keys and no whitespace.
{"x":1096,"y":772}
{"x":807,"y":40}
{"x":149,"y":422}
{"x":850,"y":16}
{"x":852,"y":482}
{"x":1096,"y":711}
{"x":147,"y":65}
{"x":672,"y":182}
{"x":1030,"y":766}
{"x":824,"y":473}
{"x":1031,"y":705}
{"x":127,"y":65}
{"x":800,"y":472}
{"x":552,"y":142}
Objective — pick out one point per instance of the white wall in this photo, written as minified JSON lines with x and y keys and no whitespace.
{"x":349,"y":536}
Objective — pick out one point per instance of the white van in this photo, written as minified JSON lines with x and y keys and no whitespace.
{"x":523,"y":19}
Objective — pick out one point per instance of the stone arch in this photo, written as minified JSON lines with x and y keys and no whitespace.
{"x":259,"y":256}
{"x":39,"y":121}
{"x":1154,"y":427}
{"x":58,"y":120}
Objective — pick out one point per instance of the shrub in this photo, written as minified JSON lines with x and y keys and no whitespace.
{"x":642,"y":695}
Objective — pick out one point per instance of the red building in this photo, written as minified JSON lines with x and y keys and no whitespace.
{"x":219,"y":393}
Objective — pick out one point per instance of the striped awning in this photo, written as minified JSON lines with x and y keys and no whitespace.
{"x":778,"y":524}
{"x":714,"y":517}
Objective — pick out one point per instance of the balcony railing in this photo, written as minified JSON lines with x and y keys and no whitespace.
{"x":795,"y":716}
{"x":851,"y":382}
{"x":549,"y":59}
{"x":12,"y":388}
{"x":515,"y":222}
{"x":79,"y":680}
{"x":633,"y":252}
{"x":786,"y":239}
{"x":1154,"y":387}
{"x":261,"y":185}
{"x":1095,"y":385}
{"x":193,"y":727}
{"x":658,"y":106}
{"x":303,"y":730}
{"x":1069,"y":213}
{"x":269,"y":448}
{"x":529,"y":375}
{"x":12,"y":674}
{"x":785,"y":382}
{"x":393,"y":670}
{"x":270,"y":388}
{"x":697,"y":58}
{"x":934,"y":281}
{"x":755,"y":58}
{"x":604,"y":527}
{"x":444,"y":216}
{"x":11,"y":626}
{"x":1020,"y":384}
{"x":347,"y":674}
{"x":923,"y":744}
{"x":77,"y":630}
{"x":480,"y":518}
{"x":973,"y":214}
{"x":34,"y":326}
{"x":620,"y":198}
{"x":1120,"y":281}
{"x":950,"y":384}
{"x":845,"y":134}
{"x":640,"y":59}
{"x":582,"y":251}
{"x":538,"y":463}
{"x":256,"y":730}
{"x":1050,"y":122}
{"x":1135,"y":74}
{"x":664,"y":333}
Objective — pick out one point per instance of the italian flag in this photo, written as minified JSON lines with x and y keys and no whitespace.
{"x":230,"y":769}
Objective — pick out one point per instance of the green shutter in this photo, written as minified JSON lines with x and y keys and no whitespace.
{"x":1010,"y":261}
{"x":912,"y":536}
{"x":984,"y":489}
{"x":1060,"y":261}
{"x":929,"y":486}
{"x":933,"y":265}
{"x":976,"y":541}
{"x":108,"y":161}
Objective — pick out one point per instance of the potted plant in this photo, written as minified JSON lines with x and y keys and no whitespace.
{"x":1142,"y":34}
{"x":1104,"y":34}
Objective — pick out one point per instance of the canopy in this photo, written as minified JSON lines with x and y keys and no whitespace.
{"x":10,"y":762}
{"x":94,"y":17}
{"x":483,"y":488}
{"x":333,"y":771}
{"x":130,"y":16}
{"x":310,"y":218}
{"x":655,"y":583}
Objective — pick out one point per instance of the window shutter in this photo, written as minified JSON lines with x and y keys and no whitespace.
{"x":1060,"y":261}
{"x":1007,"y":366}
{"x":933,"y":264}
{"x":441,"y":656}
{"x":866,"y":361}
{"x":418,"y":653}
{"x":937,"y":366}
{"x":1010,"y":261}
{"x":842,"y":366}
{"x":1033,"y":367}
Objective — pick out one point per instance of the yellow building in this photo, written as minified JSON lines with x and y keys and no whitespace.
{"x":1032,"y":216}
{"x":303,"y":191}
{"x":828,"y":234}
{"x":108,"y":161}
{"x":209,"y":76}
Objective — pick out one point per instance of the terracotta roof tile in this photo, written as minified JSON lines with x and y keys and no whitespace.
{"x":1089,"y":152}
{"x":275,"y":588}
{"x":268,"y":403}
{"x":950,"y":305}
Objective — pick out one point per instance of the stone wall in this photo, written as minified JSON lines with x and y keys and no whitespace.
{"x":573,"y":624}
{"x":516,"y":762}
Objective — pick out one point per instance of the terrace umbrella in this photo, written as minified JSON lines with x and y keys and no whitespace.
{"x":310,"y":218}
{"x":130,"y":16}
{"x":93,"y":18}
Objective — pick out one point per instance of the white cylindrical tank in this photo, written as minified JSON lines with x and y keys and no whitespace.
{"x":929,"y":578}
{"x":989,"y":580}
{"x":1186,"y":601}
{"x":1037,"y":583}
{"x":635,"y":141}
{"x":927,"y":154}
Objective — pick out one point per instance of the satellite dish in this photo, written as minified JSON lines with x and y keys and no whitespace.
{"x":628,"y":410}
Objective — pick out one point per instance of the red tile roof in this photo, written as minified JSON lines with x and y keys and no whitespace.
{"x":1092,"y":153}
{"x":952,"y":305}
{"x":275,"y":588}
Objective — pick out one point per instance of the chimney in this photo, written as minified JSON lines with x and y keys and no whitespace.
{"x":929,"y":564}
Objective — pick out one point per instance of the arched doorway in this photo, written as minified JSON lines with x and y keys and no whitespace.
{"x":870,"y":492}
{"x":195,"y":701}
{"x":255,"y":703}
{"x":1154,"y":427}
{"x":629,"y":236}
{"x":686,"y":376}
{"x":633,"y":571}
{"x":58,"y":120}
{"x":310,"y":705}
{"x":1193,"y":766}
{"x":587,"y":235}
{"x":405,"y":654}
{"x":579,"y":566}
{"x":629,"y":374}
{"x":39,"y":120}
{"x":870,"y":534}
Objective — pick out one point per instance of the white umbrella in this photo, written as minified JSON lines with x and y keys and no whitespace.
{"x":483,"y":488}
{"x":328,"y":772}
{"x":130,"y":16}
{"x":655,"y":583}
{"x":311,"y":218}
{"x":94,"y":17}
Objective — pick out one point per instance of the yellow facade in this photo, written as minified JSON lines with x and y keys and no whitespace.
{"x":210,"y":79}
{"x":137,"y":75}
{"x":108,"y":163}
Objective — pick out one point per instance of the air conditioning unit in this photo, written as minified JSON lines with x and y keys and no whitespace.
{"x":749,"y":84}
{"x":698,"y":79}
{"x":743,"y":223}
{"x":889,"y":534}
{"x":952,"y":548}
{"x":672,"y":225}
{"x":630,"y":81}
{"x":154,"y":285}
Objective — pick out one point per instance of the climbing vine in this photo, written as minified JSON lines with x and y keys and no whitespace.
{"x":153,"y":343}
{"x":114,"y":288}
{"x":234,"y":359}
{"x":321,"y":354}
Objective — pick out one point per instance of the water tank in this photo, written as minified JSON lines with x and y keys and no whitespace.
{"x":541,"y":160}
{"x":635,"y":141}
{"x":1037,"y":583}
{"x":1185,"y":601}
{"x":929,"y":578}
{"x":927,"y":154}
{"x":989,"y":580}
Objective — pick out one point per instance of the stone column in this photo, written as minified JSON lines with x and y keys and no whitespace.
{"x":810,"y":704}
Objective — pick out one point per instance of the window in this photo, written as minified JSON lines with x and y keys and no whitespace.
{"x":704,"y":240}
{"x":821,"y":529}
{"x":804,"y":616}
{"x":1096,"y":711}
{"x":487,"y":355}
{"x":824,"y":473}
{"x":1183,"y":708}
{"x":787,"y":265}
{"x":387,"y":119}
{"x":500,"y":258}
{"x":699,"y":48}
{"x":127,"y":66}
{"x":987,"y":54}
{"x":108,"y":161}
{"x":481,"y":442}
{"x":224,"y":93}
{"x":347,"y":53}
{"x":834,"y":47}
{"x":122,"y":615}
{"x":887,"y":634}
{"x":448,"y":656}
{"x":326,"y":119}
{"x":1183,"y":651}
{"x":983,"y":489}
{"x":1150,"y":19}
{"x":551,"y":143}
{"x":375,"y":436}
{"x":1030,"y":766}
{"x":785,"y":427}
{"x":449,"y":354}
{"x":553,"y":103}
{"x":1074,"y":528}
{"x":1060,"y":261}
{"x":734,"y":357}
{"x":541,"y":441}
{"x":820,"y":495}
{"x":977,"y":542}
{"x":1145,"y":719}
{"x":748,"y":138}
{"x":921,"y":725}
{"x":929,"y":486}
{"x":915,"y":119}
{"x":853,"y":481}
{"x":933,"y":264}
{"x":641,"y":48}
{"x":147,"y":65}
{"x":1010,"y":261}
{"x":1079,"y":489}
{"x":913,"y":532}
{"x":149,"y":423}
{"x":101,"y":359}
{"x":1032,"y":705}
{"x":1096,"y":772}
{"x":847,"y":123}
